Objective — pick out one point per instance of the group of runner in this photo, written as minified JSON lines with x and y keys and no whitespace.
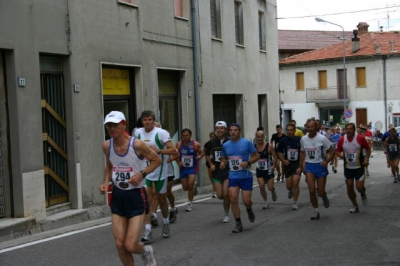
{"x":141,"y":170}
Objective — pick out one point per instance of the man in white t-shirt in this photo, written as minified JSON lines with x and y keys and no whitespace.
{"x":160,"y":141}
{"x":316,"y":151}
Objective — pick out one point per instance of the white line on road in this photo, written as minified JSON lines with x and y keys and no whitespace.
{"x":53,"y":237}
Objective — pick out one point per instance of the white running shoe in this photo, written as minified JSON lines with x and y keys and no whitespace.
{"x":226,"y":219}
{"x":294,"y":206}
{"x":189,"y":207}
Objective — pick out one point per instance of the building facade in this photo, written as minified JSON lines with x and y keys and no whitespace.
{"x":312,"y":84}
{"x":65,"y":64}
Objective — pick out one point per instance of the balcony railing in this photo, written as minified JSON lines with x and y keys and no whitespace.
{"x":330,"y":94}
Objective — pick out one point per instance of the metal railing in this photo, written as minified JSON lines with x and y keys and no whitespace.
{"x":330,"y":94}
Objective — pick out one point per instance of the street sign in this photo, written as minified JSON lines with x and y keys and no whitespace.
{"x":348,"y":113}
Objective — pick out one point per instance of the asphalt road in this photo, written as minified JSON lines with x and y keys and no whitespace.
{"x":279,"y":236}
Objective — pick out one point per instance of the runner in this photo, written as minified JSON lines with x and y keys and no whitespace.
{"x":362,"y":132}
{"x":190,"y":153}
{"x":313,"y":151}
{"x":214,"y":193}
{"x":288,"y":152}
{"x":160,"y":141}
{"x":275,"y":138}
{"x":334,"y":138}
{"x":298,"y":132}
{"x":265,"y":167}
{"x":240,"y":153}
{"x":219,"y":176}
{"x":126,"y":167}
{"x":173,"y":211}
{"x":391,"y":145}
{"x":350,"y":149}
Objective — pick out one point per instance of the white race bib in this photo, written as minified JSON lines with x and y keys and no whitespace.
{"x":293,"y":154}
{"x":121,"y":175}
{"x":217,"y":156}
{"x":187,"y":160}
{"x":262,"y":164}
{"x":234,"y":163}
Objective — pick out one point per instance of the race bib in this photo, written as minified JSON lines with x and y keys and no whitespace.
{"x":187,"y":160}
{"x":293,"y":154}
{"x":392,"y":147}
{"x":351,"y":156}
{"x":262,"y":164}
{"x":312,"y":153}
{"x":121,"y":175}
{"x":234,"y":163}
{"x":217,"y":156}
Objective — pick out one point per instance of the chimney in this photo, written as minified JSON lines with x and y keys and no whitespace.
{"x":355,"y":42}
{"x":362,"y":27}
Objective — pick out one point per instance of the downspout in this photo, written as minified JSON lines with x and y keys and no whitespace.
{"x":196,"y":81}
{"x":385,"y":92}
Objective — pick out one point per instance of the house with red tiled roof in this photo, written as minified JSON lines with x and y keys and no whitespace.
{"x":292,"y":42}
{"x":312,"y":84}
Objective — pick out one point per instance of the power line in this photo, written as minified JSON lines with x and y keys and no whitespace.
{"x":341,"y":13}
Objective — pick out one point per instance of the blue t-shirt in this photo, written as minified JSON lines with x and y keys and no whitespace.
{"x":238,"y":152}
{"x":335,"y":137}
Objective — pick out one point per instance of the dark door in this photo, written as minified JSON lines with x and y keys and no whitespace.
{"x":361,"y":116}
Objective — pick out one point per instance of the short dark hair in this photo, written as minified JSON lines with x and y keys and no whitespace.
{"x":278,"y":126}
{"x":352,"y":125}
{"x":148,"y":113}
{"x":291,"y":125}
{"x":186,"y":130}
{"x":260,"y":128}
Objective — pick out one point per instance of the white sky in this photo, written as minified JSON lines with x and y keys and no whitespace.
{"x":378,"y":15}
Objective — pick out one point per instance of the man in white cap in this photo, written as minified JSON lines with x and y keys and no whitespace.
{"x":219,"y":176}
{"x":126,"y":166}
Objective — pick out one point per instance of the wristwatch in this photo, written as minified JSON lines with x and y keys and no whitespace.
{"x":144,"y":174}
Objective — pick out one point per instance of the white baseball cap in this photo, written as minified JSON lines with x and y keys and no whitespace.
{"x":114,"y":117}
{"x":220,"y":124}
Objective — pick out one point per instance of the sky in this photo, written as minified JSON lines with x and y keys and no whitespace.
{"x":346,"y":13}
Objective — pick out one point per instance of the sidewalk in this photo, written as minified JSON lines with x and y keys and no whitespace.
{"x":13,"y":229}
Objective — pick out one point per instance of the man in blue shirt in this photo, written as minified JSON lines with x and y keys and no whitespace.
{"x":238,"y":154}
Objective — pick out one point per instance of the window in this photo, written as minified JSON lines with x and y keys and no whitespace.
{"x":129,"y":2}
{"x":261,"y":30}
{"x":322,"y":79}
{"x":300,"y":81}
{"x":215,"y":13}
{"x":181,"y":8}
{"x":360,"y":76}
{"x":239,"y":23}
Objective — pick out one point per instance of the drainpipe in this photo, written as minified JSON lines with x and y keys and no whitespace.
{"x":385,"y":92}
{"x":196,"y":81}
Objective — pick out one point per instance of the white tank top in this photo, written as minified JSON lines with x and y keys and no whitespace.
{"x":352,"y":153}
{"x":125,"y":166}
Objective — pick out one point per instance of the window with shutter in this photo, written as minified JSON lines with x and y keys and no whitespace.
{"x":322,"y":79}
{"x":181,"y":8}
{"x":215,"y":17}
{"x":239,"y":23}
{"x":361,"y":77}
{"x":168,"y":88}
{"x":300,"y":81}
{"x":261,"y":30}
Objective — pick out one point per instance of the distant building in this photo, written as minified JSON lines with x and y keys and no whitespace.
{"x":312,"y":84}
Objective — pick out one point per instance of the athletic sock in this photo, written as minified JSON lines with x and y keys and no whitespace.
{"x":249,"y":209}
{"x":238,"y":220}
{"x":147,"y":226}
{"x":165,"y":220}
{"x":316,"y":210}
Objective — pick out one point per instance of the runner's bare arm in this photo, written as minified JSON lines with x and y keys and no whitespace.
{"x":108,"y":168}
